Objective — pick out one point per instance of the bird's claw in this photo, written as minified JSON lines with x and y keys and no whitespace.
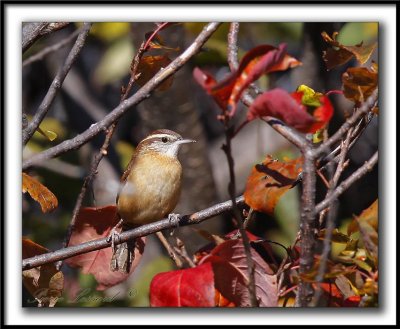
{"x":174,"y":219}
{"x":113,"y":236}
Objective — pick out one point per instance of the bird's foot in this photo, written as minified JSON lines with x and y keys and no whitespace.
{"x":114,"y":235}
{"x":174,"y":219}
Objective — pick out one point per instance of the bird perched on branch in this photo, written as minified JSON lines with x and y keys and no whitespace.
{"x":150,"y":189}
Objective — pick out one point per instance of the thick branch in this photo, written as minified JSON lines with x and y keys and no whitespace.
{"x":33,"y":31}
{"x":307,"y":228}
{"x":56,"y":85}
{"x":44,"y":52}
{"x":144,"y":230}
{"x":139,"y":96}
{"x":360,"y":172}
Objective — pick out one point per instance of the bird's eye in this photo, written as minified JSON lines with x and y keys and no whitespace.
{"x":164,"y":139}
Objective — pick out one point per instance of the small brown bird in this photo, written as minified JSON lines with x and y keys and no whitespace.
{"x":150,"y":188}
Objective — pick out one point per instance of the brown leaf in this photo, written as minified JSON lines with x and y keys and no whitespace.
{"x":39,"y":193}
{"x":149,"y":66}
{"x":359,"y":83}
{"x":335,"y":57}
{"x":157,"y":42}
{"x":96,"y":223}
{"x":269,"y":181}
{"x":45,"y":283}
{"x":337,"y":236}
{"x":368,"y":225}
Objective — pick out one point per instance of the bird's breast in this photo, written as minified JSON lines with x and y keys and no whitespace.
{"x":151,"y":190}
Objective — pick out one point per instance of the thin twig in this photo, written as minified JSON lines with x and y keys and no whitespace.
{"x":251,"y":285}
{"x":93,"y":170}
{"x":44,"y":52}
{"x":367,"y":106}
{"x":180,"y":249}
{"x":359,"y":173}
{"x":357,"y":132}
{"x":331,"y":217}
{"x":169,"y":249}
{"x":139,"y":96}
{"x":143,"y":230}
{"x":56,"y":85}
{"x":238,"y":217}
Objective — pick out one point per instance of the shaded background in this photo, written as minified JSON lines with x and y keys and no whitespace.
{"x":92,"y":89}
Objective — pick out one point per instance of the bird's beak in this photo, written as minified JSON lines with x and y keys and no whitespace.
{"x":184,"y":141}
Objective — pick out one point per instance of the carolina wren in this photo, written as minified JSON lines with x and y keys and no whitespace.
{"x":150,"y":187}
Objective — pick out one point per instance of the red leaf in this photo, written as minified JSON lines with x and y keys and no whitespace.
{"x":230,"y":274}
{"x":268,"y":181}
{"x":193,"y":287}
{"x":95,"y":223}
{"x":287,"y":107}
{"x":208,"y":82}
{"x":258,"y":61}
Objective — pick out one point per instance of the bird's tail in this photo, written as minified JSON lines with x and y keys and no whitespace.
{"x":124,"y":255}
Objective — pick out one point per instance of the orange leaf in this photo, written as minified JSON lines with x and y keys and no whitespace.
{"x":96,"y":223}
{"x":39,"y":193}
{"x":45,"y":283}
{"x":359,"y":83}
{"x":269,"y":181}
{"x":335,"y":57}
{"x":149,"y":66}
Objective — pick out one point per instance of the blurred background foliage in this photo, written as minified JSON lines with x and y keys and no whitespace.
{"x":92,"y":89}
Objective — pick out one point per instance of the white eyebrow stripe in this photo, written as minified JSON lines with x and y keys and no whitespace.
{"x":157,"y":136}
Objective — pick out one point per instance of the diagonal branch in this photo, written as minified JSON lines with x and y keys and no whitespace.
{"x":56,"y":85}
{"x":33,"y":31}
{"x":143,"y":230}
{"x":143,"y":93}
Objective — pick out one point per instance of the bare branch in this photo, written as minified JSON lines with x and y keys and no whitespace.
{"x":232,"y":46}
{"x":139,"y":96}
{"x":359,"y":173}
{"x":44,"y":52}
{"x":56,"y":85}
{"x":143,"y":230}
